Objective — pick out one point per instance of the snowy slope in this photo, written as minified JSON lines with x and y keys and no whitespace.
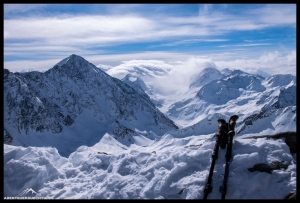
{"x":269,"y":122}
{"x":165,"y":168}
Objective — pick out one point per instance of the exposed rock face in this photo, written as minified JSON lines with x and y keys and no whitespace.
{"x":7,"y":138}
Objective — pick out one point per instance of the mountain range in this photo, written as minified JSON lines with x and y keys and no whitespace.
{"x":76,"y":103}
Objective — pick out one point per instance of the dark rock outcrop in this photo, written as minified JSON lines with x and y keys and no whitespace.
{"x":268,"y":168}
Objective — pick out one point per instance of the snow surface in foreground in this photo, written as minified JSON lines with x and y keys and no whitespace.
{"x":167,"y":168}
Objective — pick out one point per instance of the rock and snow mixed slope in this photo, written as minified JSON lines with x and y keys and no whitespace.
{"x":76,"y":102}
{"x":214,"y":94}
{"x":249,"y":96}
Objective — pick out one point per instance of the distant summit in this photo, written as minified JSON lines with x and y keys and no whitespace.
{"x":72,"y":59}
{"x":75,"y":66}
{"x":205,"y":76}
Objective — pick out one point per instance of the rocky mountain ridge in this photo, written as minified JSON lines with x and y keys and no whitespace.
{"x":76,"y":95}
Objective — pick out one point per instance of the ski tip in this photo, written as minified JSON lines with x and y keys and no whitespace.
{"x":234,"y":117}
{"x":222,"y":121}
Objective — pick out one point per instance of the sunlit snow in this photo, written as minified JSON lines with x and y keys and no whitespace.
{"x":165,"y":168}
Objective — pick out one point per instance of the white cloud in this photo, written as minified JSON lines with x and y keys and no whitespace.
{"x":104,"y":59}
{"x":271,"y":62}
{"x":265,"y":16}
{"x":116,"y":59}
{"x":30,"y":65}
{"x":185,"y":64}
{"x":87,"y":30}
{"x":87,"y":35}
{"x":178,"y":78}
{"x":79,"y":29}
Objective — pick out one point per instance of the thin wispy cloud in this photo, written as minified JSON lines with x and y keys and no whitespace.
{"x":275,"y":14}
{"x":245,"y":45}
{"x":21,"y":8}
{"x":190,"y":41}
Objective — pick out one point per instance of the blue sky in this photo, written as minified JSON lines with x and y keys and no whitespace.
{"x":37,"y":36}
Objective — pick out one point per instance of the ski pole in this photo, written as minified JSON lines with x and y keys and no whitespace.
{"x":208,"y":187}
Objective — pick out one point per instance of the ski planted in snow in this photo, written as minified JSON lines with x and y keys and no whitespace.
{"x":231,"y":133}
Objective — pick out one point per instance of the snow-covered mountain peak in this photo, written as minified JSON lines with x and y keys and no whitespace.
{"x":76,"y":100}
{"x":76,"y":63}
{"x":205,"y":76}
{"x":70,"y":59}
{"x":237,"y":72}
{"x":75,"y":66}
{"x":258,"y":73}
{"x":231,"y":87}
